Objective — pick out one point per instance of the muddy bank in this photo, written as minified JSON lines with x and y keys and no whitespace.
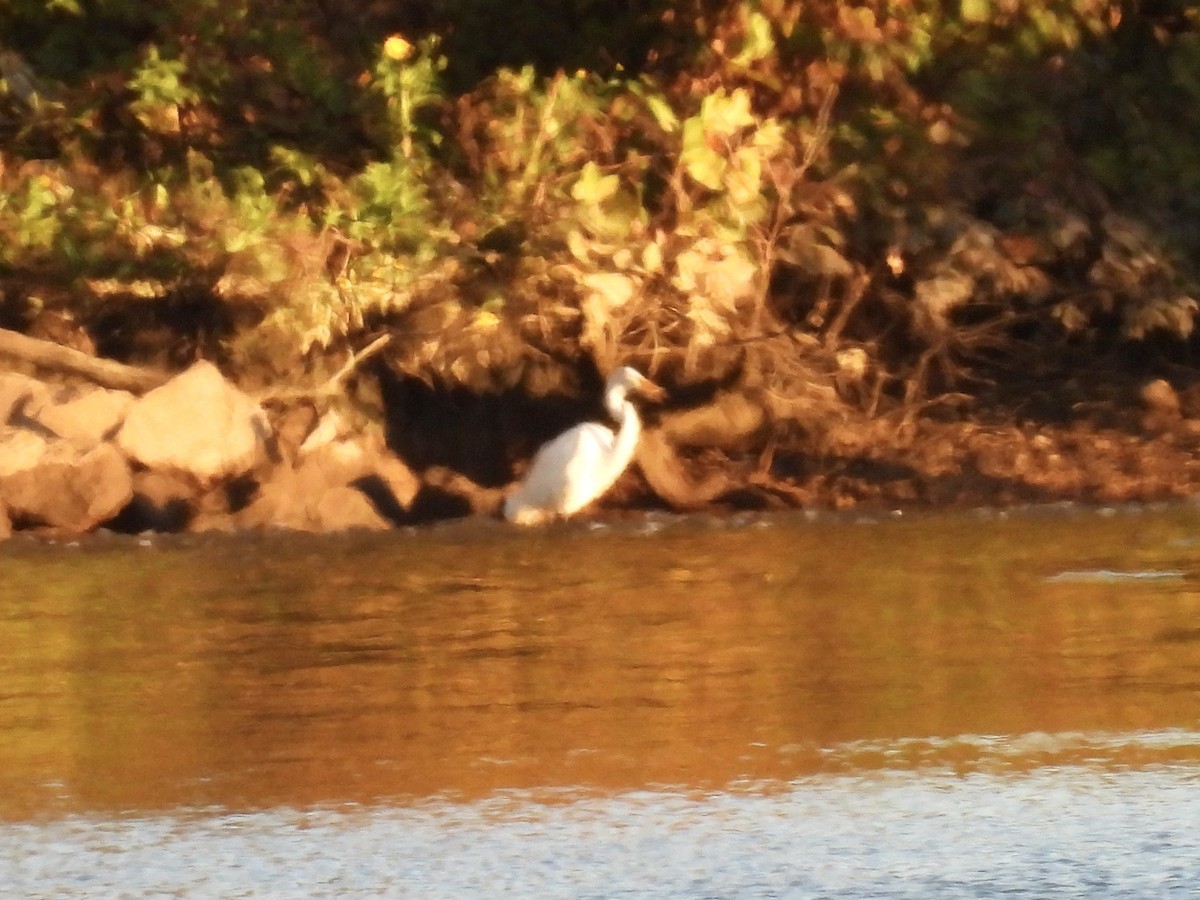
{"x":197,"y":453}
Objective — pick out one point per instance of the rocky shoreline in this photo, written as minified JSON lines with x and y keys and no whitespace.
{"x":197,"y":453}
{"x":194,"y":454}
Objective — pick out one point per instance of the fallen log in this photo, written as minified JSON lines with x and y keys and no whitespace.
{"x":105,"y":372}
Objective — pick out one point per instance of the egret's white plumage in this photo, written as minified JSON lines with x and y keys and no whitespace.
{"x":583,"y":462}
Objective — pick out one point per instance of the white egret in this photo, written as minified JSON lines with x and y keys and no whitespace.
{"x":583,"y":462}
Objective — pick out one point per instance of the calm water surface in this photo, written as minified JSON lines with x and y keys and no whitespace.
{"x":955,"y":705}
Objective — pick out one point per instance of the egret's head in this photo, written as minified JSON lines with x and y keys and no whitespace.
{"x":626,"y":380}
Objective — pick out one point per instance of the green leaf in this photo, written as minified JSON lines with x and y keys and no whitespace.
{"x":759,"y":42}
{"x":698,"y":159}
{"x":976,"y":11}
{"x":662,"y":112}
{"x":724,"y":115}
{"x":593,"y":188}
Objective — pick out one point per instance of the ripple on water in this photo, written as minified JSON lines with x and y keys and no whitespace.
{"x":1113,"y":576}
{"x":1058,"y":831}
{"x":1008,"y":754}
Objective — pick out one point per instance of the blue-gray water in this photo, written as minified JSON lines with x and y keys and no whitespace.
{"x":1053,"y":833}
{"x":947,"y":706}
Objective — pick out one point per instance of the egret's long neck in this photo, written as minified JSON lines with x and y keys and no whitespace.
{"x":627,"y":438}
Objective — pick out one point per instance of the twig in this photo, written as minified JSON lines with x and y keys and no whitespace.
{"x":331,"y":386}
{"x":543,"y":134}
{"x":820,"y":135}
{"x":855,"y":291}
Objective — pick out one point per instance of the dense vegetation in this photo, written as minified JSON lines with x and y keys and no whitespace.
{"x":876,"y":204}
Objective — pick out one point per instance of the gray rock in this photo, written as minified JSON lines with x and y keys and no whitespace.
{"x":197,"y":424}
{"x":342,"y":508}
{"x":87,"y":419}
{"x":68,"y":490}
{"x":21,"y":449}
{"x":338,"y":485}
{"x":17,"y":390}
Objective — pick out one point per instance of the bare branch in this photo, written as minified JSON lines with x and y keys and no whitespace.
{"x":334,"y":384}
{"x":105,"y":372}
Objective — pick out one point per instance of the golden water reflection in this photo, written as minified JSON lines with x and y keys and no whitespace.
{"x":259,"y":672}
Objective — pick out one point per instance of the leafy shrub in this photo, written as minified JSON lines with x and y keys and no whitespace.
{"x":891,"y":176}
